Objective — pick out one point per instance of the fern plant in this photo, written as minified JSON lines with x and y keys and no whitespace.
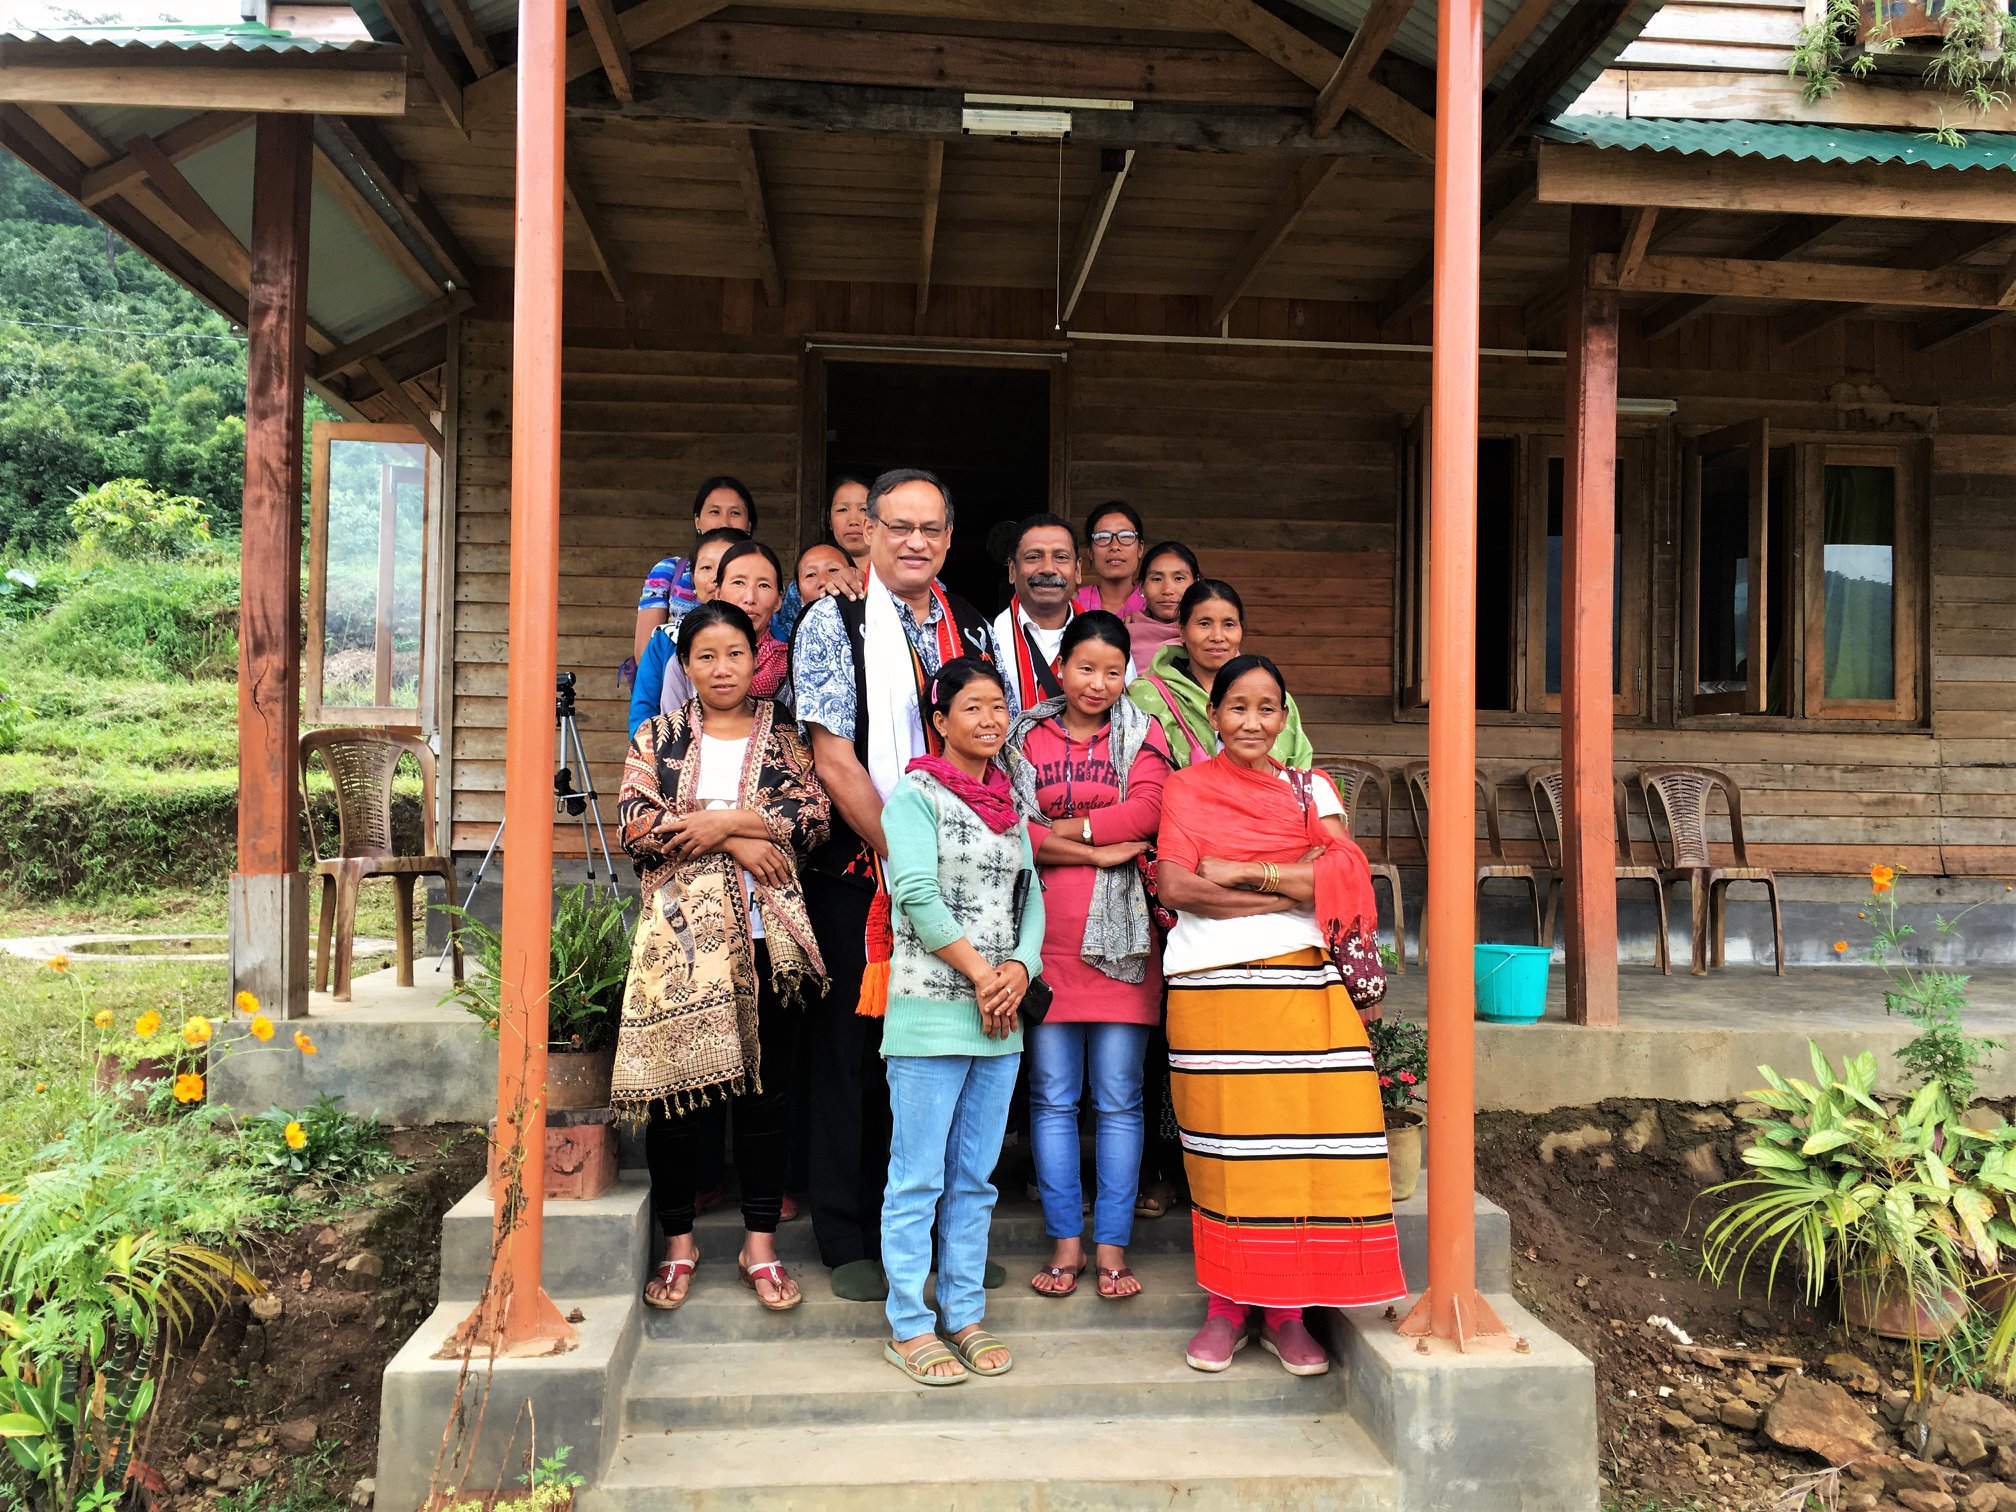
{"x":589,"y":960}
{"x":1970,"y":62}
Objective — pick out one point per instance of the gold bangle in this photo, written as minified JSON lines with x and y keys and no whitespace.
{"x":1270,"y":878}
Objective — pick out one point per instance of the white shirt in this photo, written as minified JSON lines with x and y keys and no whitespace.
{"x":1007,"y":636}
{"x":720,"y":787}
{"x":1201,"y":944}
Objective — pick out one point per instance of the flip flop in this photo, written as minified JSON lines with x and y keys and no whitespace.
{"x":772,"y":1271}
{"x":666,"y":1273}
{"x":1150,"y":1205}
{"x":917,"y":1365}
{"x":1113,"y":1278}
{"x":1056,"y":1273}
{"x":977,"y":1343}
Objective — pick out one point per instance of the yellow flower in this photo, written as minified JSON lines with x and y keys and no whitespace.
{"x":262,"y":1028}
{"x":8,"y":1199}
{"x":246,"y":1002}
{"x":102,"y":1018}
{"x":197,"y":1030}
{"x":304,"y":1044}
{"x":41,"y":1086}
{"x":58,"y":963}
{"x":188,"y":1087}
{"x":1840,"y":947}
{"x":1882,"y":878}
{"x":295,"y":1135}
{"x":146,"y":1024}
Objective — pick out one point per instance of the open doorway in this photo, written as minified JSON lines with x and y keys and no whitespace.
{"x":984,"y":430}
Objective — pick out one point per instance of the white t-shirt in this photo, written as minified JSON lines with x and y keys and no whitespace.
{"x":1047,"y":642}
{"x":720,"y":787}
{"x":1201,"y":944}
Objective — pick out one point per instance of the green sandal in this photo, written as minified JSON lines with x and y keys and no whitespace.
{"x":917,"y":1366}
{"x":977,"y":1343}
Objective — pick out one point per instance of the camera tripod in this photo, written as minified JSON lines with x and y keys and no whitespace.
{"x":579,"y":803}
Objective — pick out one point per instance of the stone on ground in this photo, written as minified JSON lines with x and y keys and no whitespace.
{"x":1820,"y":1418}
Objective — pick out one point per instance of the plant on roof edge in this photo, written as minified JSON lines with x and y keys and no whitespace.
{"x":1970,"y":61}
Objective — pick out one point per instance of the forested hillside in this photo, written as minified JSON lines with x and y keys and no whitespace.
{"x":108,"y":369}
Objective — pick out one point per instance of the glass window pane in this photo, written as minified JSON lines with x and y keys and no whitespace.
{"x":1858,"y":562}
{"x":1497,"y":502}
{"x":375,"y":569}
{"x":1724,"y":578}
{"x":1556,"y":498}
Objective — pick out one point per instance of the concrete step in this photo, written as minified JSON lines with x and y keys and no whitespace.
{"x":1131,"y":1373}
{"x":720,"y":1310}
{"x":1317,"y":1461}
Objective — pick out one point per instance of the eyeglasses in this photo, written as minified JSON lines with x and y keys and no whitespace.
{"x":1116,"y":538}
{"x":904,"y":529}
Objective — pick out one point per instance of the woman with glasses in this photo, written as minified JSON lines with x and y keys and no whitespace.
{"x":1114,"y":537}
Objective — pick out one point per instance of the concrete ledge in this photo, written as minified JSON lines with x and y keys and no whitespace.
{"x":1494,"y":1240}
{"x":576,"y":1399}
{"x":1493,"y":1428}
{"x":593,"y":1248}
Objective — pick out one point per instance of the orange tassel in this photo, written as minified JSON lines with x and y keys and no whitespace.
{"x":874,"y":1002}
{"x":880,"y":939}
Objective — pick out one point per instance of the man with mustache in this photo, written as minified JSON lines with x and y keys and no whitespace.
{"x":1043,"y":571}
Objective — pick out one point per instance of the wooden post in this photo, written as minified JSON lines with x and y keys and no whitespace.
{"x":1450,"y":1307}
{"x":516,"y":1316}
{"x":1588,"y":528}
{"x":269,"y":891}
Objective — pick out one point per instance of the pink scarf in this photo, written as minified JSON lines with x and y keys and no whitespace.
{"x":990,"y":797}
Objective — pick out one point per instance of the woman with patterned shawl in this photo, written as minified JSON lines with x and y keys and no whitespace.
{"x":1276,"y":1095}
{"x":718,"y":802}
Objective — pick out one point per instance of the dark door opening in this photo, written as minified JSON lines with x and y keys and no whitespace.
{"x":985,"y":431}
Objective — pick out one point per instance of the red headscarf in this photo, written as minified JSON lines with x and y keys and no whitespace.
{"x":1240,"y":813}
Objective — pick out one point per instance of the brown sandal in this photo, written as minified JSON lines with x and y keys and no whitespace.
{"x":1056,"y":1273}
{"x":666,"y":1273}
{"x":772,"y":1271}
{"x":1109,"y":1283}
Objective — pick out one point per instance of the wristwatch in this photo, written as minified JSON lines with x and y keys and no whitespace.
{"x":1088,"y":829}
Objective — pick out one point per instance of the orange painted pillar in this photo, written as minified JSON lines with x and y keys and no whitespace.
{"x":518,"y":1317}
{"x":1588,"y":524}
{"x":1450,"y":1307}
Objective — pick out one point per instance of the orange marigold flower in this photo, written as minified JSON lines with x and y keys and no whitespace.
{"x":262,"y":1028}
{"x":1882,"y":878}
{"x":1840,"y":947}
{"x":146,"y":1024}
{"x":8,"y":1199}
{"x":197,"y":1030}
{"x":304,"y":1044}
{"x":41,"y":1086}
{"x":295,"y":1135}
{"x":102,"y":1018}
{"x":58,"y":963}
{"x":188,"y":1087}
{"x":246,"y":1002}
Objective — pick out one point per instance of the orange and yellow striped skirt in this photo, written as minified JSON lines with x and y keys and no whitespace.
{"x":1277,"y":1103}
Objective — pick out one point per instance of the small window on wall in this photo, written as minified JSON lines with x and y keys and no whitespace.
{"x":1547,"y":573}
{"x":1803,"y":578}
{"x":371,"y":507}
{"x":1496,"y":594}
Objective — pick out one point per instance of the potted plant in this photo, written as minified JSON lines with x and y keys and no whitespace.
{"x":1850,"y":39}
{"x":589,"y":959}
{"x":1400,"y":1052}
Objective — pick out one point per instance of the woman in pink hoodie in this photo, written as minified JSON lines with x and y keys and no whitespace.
{"x":1087,"y":770}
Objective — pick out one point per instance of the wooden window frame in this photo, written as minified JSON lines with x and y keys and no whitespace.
{"x":1634,"y":464}
{"x":315,"y":712}
{"x":1906,"y":605}
{"x":1754,"y":696}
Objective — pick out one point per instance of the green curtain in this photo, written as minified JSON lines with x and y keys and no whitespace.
{"x":1859,"y":540}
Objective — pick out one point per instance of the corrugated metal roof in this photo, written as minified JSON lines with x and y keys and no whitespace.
{"x":1784,"y":141}
{"x":238,"y":36}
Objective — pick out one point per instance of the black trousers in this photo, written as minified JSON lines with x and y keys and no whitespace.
{"x":849,"y":1105}
{"x":676,"y":1144}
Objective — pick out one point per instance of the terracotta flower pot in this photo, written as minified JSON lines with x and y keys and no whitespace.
{"x":1902,"y":20}
{"x":578,"y":1078}
{"x":132,"y":1083}
{"x":1993,"y":1293}
{"x":1884,"y":1310}
{"x":1404,"y":1144}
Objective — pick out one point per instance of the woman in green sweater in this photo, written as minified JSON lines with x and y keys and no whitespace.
{"x":1175,"y":689}
{"x":958,"y":968}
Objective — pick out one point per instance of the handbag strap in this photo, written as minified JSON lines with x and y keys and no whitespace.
{"x":1182,"y":724}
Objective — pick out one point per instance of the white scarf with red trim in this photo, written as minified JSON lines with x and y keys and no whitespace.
{"x":898,"y":684}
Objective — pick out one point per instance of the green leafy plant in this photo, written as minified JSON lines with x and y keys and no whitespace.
{"x":129,"y":517}
{"x":553,"y":1471}
{"x":589,"y":960}
{"x":1400,"y":1051}
{"x":14,"y":717}
{"x":1942,"y":1050}
{"x":1820,"y":54}
{"x":323,"y":1141}
{"x":1970,"y":62}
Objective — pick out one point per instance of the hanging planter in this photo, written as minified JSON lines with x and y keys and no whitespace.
{"x":1900,"y":20}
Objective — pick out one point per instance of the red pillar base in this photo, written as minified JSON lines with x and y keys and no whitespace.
{"x":1462,"y":1317}
{"x":523,"y":1332}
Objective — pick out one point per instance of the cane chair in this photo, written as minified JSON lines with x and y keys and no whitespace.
{"x":1683,"y":793}
{"x":1496,"y":863}
{"x":361,"y":762}
{"x":1367,"y":780}
{"x":1546,"y":781}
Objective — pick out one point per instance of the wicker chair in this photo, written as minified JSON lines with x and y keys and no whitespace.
{"x":1683,"y":793}
{"x":1547,"y":781}
{"x":361,"y":762}
{"x":1495,"y":864}
{"x":1356,"y":780}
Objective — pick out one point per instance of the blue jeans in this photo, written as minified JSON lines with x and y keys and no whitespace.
{"x":948,"y":1114}
{"x":1058,"y":1056}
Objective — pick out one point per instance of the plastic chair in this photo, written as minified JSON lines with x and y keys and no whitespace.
{"x":361,"y":762}
{"x":1547,"y":780}
{"x":1495,"y":864}
{"x":1683,"y":793}
{"x":1354,"y":780}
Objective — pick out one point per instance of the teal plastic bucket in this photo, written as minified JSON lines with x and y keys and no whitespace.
{"x":1512,"y":982}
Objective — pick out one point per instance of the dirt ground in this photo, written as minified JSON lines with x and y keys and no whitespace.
{"x":288,"y":1382}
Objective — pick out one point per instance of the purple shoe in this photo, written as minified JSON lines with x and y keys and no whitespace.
{"x":1213,"y":1345}
{"x":1295,"y":1348}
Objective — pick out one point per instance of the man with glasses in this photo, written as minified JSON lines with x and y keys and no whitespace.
{"x":1114,"y":541}
{"x":861,"y":673}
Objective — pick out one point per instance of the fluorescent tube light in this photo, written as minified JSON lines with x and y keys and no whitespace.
{"x":990,"y":121}
{"x":1659,"y":407}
